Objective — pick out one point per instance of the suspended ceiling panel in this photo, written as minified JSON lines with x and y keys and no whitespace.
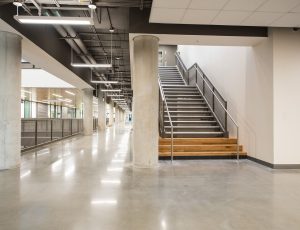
{"x":273,"y":13}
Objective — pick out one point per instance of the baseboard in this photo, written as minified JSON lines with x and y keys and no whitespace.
{"x":274,"y":166}
{"x":264,"y":163}
{"x":286,"y":166}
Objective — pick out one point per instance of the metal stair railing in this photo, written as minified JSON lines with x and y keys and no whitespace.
{"x":213,"y":98}
{"x":161,"y":117}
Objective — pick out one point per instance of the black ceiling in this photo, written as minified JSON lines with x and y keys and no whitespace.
{"x":95,"y":43}
{"x":100,"y":45}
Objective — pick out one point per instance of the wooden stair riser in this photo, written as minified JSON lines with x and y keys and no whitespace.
{"x":201,"y":154}
{"x":197,"y":141}
{"x":199,"y":148}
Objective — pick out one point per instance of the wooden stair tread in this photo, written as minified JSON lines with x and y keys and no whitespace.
{"x":197,"y":141}
{"x":216,"y":153}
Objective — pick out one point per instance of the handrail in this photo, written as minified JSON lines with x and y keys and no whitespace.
{"x":169,"y":116}
{"x":195,"y":65}
{"x":198,"y":69}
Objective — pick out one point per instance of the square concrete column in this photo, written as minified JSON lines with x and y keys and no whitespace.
{"x":145,"y":101}
{"x":101,"y":111}
{"x":10,"y":99}
{"x":87,"y":111}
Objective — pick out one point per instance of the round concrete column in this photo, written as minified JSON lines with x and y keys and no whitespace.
{"x":10,"y":99}
{"x":111,"y":113}
{"x":145,"y":101}
{"x":117,"y":115}
{"x":87,"y":111}
{"x":101,"y":111}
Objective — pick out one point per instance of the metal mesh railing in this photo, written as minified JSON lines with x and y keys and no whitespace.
{"x":35,"y":132}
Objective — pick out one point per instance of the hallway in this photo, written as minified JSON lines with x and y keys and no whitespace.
{"x":87,"y":182}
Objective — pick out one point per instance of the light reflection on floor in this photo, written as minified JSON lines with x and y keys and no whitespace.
{"x":87,"y":182}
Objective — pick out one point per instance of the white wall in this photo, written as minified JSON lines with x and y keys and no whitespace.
{"x":286,"y":96}
{"x":259,"y":101}
{"x":243,"y":75}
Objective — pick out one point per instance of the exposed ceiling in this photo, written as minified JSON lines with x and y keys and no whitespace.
{"x":272,"y":13}
{"x":95,"y":44}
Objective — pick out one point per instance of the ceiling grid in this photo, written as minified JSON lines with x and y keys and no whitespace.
{"x":272,"y":13}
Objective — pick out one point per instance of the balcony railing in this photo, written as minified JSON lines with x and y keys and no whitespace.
{"x":36,"y":132}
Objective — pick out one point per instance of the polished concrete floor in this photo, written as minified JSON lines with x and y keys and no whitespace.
{"x":88,"y":183}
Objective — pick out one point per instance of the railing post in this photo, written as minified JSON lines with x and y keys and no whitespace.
{"x":225,"y":125}
{"x":71,"y":127}
{"x":36,"y":133}
{"x":196,"y":75}
{"x":78,"y":129}
{"x":51,"y":129}
{"x":213,"y":99}
{"x":172,"y":144}
{"x":203,"y":87}
{"x":237,"y":143}
{"x":163,"y":117}
{"x":188,"y":77}
{"x":62,"y":128}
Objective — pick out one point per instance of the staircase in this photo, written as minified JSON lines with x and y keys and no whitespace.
{"x":190,"y":115}
{"x":196,"y":131}
{"x":200,"y":147}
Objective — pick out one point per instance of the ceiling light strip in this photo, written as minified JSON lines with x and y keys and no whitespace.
{"x":54,"y":20}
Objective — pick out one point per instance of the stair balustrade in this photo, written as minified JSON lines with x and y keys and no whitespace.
{"x":194,"y":76}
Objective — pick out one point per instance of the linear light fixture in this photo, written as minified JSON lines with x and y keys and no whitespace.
{"x":68,"y":92}
{"x":110,"y":90}
{"x":113,"y":95}
{"x":65,"y":100}
{"x":54,"y":20}
{"x":105,"y":82}
{"x":56,"y":95}
{"x":84,"y":65}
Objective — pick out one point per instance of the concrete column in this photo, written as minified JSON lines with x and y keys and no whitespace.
{"x":87,"y":111}
{"x":145,"y":101}
{"x":122,"y":116}
{"x":111,"y":113}
{"x":101,"y":111}
{"x":117,"y":115}
{"x":10,"y":99}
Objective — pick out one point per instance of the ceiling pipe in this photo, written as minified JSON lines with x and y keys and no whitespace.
{"x":37,"y":6}
{"x":87,"y":58}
